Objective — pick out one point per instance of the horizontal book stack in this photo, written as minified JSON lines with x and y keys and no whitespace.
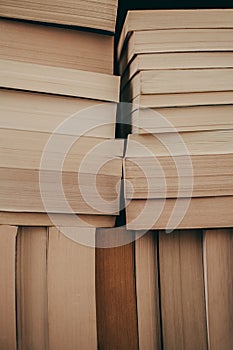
{"x":177,"y":74}
{"x":188,"y":176}
{"x":74,"y":34}
{"x":58,"y":88}
{"x":161,"y":58}
{"x":36,"y":99}
{"x":60,"y":166}
{"x":56,"y":46}
{"x":176,"y":69}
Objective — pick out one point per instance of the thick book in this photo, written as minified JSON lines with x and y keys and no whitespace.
{"x":59,"y":81}
{"x":50,"y":113}
{"x":208,"y":212}
{"x":23,"y":191}
{"x":182,"y":81}
{"x":172,"y":145}
{"x":71,"y":290}
{"x":55,"y":46}
{"x":180,"y":119}
{"x":200,"y":186}
{"x":100,"y":14}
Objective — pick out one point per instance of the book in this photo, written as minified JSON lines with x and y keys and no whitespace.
{"x":7,"y":287}
{"x":71,"y":291}
{"x":181,"y":100}
{"x":200,"y":165}
{"x":208,"y":212}
{"x":174,"y":19}
{"x":182,"y":144}
{"x":31,"y":287}
{"x":183,"y":304}
{"x":115,"y":280}
{"x":181,"y":81}
{"x":48,"y":220}
{"x":100,"y":15}
{"x":59,"y":81}
{"x":217,"y":259}
{"x":49,"y":113}
{"x":180,"y":119}
{"x":147,"y":290}
{"x":176,"y":40}
{"x":48,"y":195}
{"x":55,"y":46}
{"x":170,"y":187}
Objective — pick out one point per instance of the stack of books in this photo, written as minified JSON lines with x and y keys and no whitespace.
{"x":61,"y":170}
{"x":66,"y":117}
{"x":56,"y":46}
{"x":164,"y":63}
{"x":177,"y":74}
{"x":58,"y":112}
{"x":60,"y":167}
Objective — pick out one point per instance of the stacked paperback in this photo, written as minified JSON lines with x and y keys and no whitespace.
{"x":61,"y":170}
{"x":58,"y":112}
{"x":60,"y":166}
{"x":177,"y":74}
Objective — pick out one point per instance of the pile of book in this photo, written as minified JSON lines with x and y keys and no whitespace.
{"x":44,"y":136}
{"x":177,"y":74}
{"x":60,"y":167}
{"x":58,"y":112}
{"x":61,"y":170}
